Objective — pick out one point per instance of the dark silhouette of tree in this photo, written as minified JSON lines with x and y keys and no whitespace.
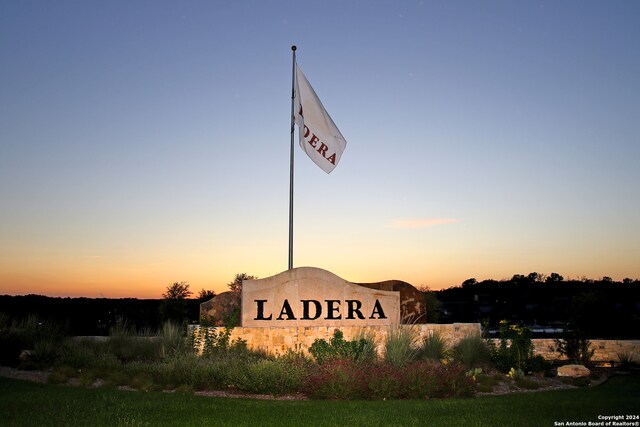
{"x":236,"y":284}
{"x":174,"y":306}
{"x":177,"y":291}
{"x":432,"y":304}
{"x":535,"y":277}
{"x":205,"y":295}
{"x":469,"y":282}
{"x":554,"y":278}
{"x":519,"y":278}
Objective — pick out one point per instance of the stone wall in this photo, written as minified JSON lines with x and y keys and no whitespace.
{"x":605,"y":350}
{"x":277,"y":340}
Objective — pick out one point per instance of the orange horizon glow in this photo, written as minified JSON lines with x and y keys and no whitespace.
{"x":153,"y":288}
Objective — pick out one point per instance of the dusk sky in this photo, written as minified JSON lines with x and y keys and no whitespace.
{"x":147,"y":142}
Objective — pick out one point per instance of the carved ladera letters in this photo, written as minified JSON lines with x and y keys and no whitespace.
{"x":309,"y":296}
{"x":329,"y":311}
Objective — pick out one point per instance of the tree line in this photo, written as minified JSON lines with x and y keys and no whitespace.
{"x":603,"y":308}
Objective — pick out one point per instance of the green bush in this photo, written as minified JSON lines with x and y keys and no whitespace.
{"x":33,"y":328}
{"x":204,"y":374}
{"x":214,"y":343}
{"x":125,"y":344}
{"x":80,"y":353}
{"x":41,"y":337}
{"x":527,"y":384}
{"x":400,"y":345}
{"x":575,"y":347}
{"x":359,"y":350}
{"x":270,"y":376}
{"x":61,"y":375}
{"x":626,"y":360}
{"x":172,"y":339}
{"x":516,"y":350}
{"x":472,"y":351}
{"x":365,"y":347}
{"x":433,"y":347}
{"x":538,"y":364}
{"x":43,"y":355}
{"x":486,"y":383}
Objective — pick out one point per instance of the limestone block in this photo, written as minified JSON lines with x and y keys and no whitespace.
{"x":573,"y":371}
{"x":219,"y":309}
{"x":308,"y":296}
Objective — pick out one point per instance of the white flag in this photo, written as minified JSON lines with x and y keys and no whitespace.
{"x":319,"y":136}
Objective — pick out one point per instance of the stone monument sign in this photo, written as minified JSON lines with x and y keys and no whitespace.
{"x":309,"y":296}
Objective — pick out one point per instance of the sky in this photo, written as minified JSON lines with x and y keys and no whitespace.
{"x":144,"y":143}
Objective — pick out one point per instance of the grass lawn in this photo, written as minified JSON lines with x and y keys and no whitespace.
{"x":30,"y":404}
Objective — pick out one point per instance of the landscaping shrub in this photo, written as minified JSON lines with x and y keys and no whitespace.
{"x":32,"y":328}
{"x":384,"y":382}
{"x":359,"y":350}
{"x":269,"y":376}
{"x":340,"y":379}
{"x":472,"y":351}
{"x":80,"y":353}
{"x":213,"y":342}
{"x":527,"y":384}
{"x":39,"y":337}
{"x":486,"y":383}
{"x":626,"y":360}
{"x":416,"y":380}
{"x":204,"y":375}
{"x":516,"y":350}
{"x":366,"y":347}
{"x":44,"y":354}
{"x":400,"y":345}
{"x":538,"y":364}
{"x":172,"y":339}
{"x":575,"y":347}
{"x":433,"y":347}
{"x":128,"y":346}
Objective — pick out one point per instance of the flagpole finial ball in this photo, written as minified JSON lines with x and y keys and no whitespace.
{"x":293,"y":48}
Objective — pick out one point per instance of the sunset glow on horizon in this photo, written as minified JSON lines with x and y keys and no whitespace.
{"x":142,"y":145}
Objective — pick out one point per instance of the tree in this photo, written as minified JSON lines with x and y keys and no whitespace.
{"x":205,"y":295}
{"x":535,"y":277}
{"x":519,"y":278}
{"x":236,"y":284}
{"x":174,"y":306}
{"x":432,"y":304}
{"x":554,"y":278}
{"x":469,"y":282}
{"x":177,"y":291}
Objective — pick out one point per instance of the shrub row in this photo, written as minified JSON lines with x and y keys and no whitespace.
{"x":337,"y":369}
{"x":416,"y":380}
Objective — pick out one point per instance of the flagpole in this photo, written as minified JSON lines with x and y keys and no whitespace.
{"x":293,"y":93}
